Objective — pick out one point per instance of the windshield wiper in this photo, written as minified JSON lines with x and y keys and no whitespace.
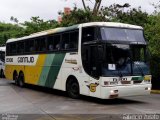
{"x":120,"y":73}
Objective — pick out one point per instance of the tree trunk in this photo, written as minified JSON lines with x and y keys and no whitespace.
{"x":95,"y":8}
{"x":84,"y":5}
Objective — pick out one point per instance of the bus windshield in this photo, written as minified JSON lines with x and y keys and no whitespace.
{"x":122,"y":35}
{"x":125,"y":60}
{"x":123,"y":51}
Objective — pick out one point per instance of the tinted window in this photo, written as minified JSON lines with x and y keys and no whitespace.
{"x":29,"y":46}
{"x":65,"y":41}
{"x":13,"y":48}
{"x":88,"y":34}
{"x":20,"y":47}
{"x":50,"y":46}
{"x":74,"y":40}
{"x":57,"y":42}
{"x":122,"y":34}
{"x":40,"y":44}
{"x":8,"y":52}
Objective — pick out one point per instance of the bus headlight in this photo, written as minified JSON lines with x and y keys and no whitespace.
{"x":114,"y":83}
{"x":107,"y":83}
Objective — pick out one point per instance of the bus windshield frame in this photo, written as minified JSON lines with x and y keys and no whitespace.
{"x":117,"y":35}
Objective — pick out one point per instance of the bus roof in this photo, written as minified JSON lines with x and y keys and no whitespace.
{"x":63,"y":29}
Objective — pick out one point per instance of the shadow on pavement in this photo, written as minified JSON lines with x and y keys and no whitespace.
{"x":117,"y":101}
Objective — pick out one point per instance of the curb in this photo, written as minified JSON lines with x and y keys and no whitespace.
{"x":155,"y":91}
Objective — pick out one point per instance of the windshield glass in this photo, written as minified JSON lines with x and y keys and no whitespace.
{"x":124,"y":60}
{"x":122,"y":35}
{"x":139,"y":58}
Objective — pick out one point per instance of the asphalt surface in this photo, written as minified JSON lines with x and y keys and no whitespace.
{"x":39,"y":103}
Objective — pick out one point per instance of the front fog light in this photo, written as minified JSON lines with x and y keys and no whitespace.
{"x":112,"y":92}
{"x":148,"y":88}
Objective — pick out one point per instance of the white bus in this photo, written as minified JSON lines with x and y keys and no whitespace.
{"x":2,"y":61}
{"x":99,"y":59}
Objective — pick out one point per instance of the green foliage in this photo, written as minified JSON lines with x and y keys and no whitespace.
{"x":152,"y":33}
{"x":131,"y":16}
{"x":78,"y":16}
{"x":114,"y":13}
{"x":9,"y":31}
{"x":36,"y":25}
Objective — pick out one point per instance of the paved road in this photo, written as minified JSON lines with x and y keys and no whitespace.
{"x":51,"y":104}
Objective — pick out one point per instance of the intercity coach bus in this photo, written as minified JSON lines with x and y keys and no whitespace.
{"x":99,"y":59}
{"x":2,"y":61}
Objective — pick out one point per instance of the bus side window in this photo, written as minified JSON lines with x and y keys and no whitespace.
{"x":57,"y":42}
{"x":88,"y":34}
{"x":20,"y":48}
{"x":43,"y":44}
{"x":13,"y":48}
{"x":29,"y":46}
{"x":8,"y":51}
{"x":65,"y":41}
{"x":50,"y":40}
{"x":74,"y":40}
{"x":40,"y":44}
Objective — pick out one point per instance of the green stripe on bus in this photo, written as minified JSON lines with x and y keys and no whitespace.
{"x":46,"y":68}
{"x":137,"y":78}
{"x":54,"y":70}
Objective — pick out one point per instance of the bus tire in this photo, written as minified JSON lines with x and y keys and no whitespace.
{"x":15,"y":77}
{"x":21,"y":82}
{"x":72,"y":88}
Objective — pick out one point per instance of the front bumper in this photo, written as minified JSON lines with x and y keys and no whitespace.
{"x":123,"y":91}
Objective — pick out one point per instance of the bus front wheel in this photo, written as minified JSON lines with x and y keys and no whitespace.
{"x":72,"y":88}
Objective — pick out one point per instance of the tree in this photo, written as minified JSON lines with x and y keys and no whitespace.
{"x":14,"y":19}
{"x":78,"y":16}
{"x":95,"y":9}
{"x":97,"y":4}
{"x":8,"y":31}
{"x":36,"y":25}
{"x":152,"y":33}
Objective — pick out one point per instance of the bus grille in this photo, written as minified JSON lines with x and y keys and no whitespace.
{"x":125,"y":82}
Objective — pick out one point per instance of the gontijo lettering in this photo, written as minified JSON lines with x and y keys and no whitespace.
{"x":25,"y":59}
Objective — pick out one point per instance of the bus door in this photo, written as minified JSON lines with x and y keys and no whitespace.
{"x":95,"y":68}
{"x":92,"y":65}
